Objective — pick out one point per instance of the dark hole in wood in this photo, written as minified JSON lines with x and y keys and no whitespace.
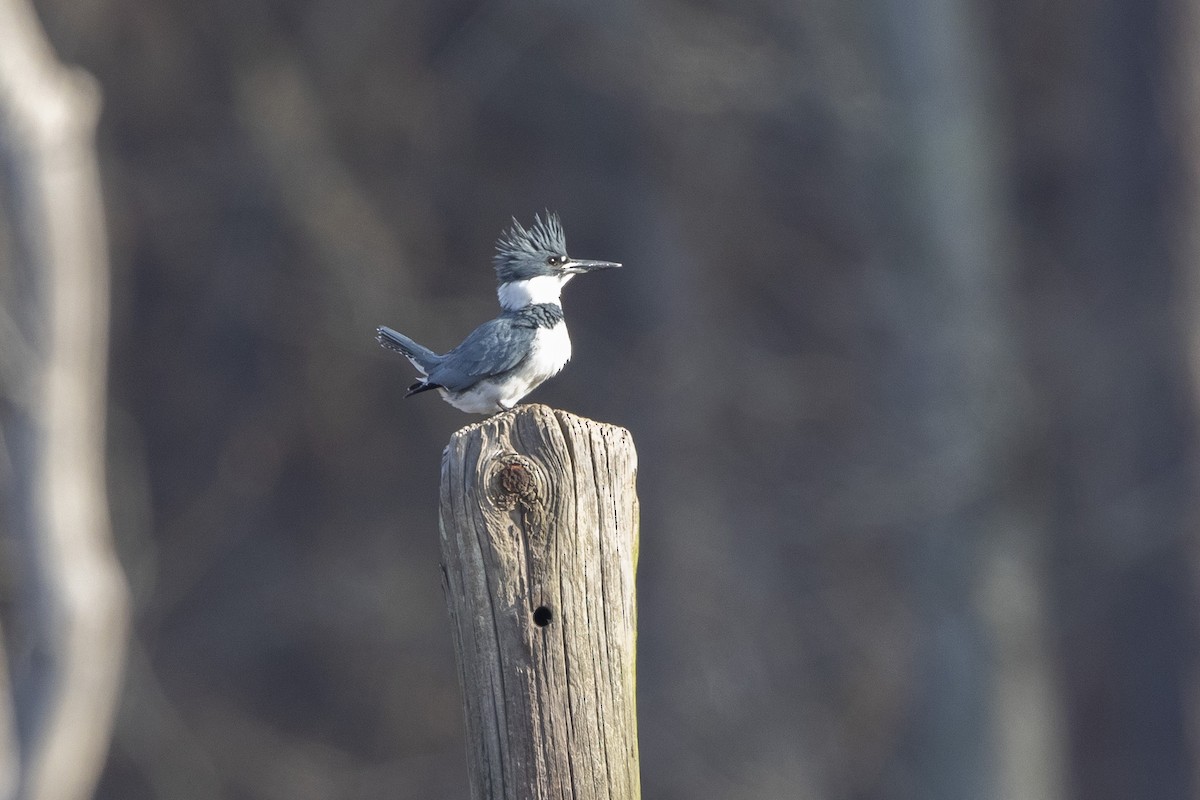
{"x":542,"y":616}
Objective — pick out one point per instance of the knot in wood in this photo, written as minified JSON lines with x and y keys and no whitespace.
{"x":516,"y":479}
{"x":518,"y":485}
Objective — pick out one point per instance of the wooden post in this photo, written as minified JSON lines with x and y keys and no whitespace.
{"x":539,"y":522}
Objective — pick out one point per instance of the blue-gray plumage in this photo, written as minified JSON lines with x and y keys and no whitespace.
{"x":505,"y":359}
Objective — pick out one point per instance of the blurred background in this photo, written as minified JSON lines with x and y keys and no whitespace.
{"x":905,"y":338}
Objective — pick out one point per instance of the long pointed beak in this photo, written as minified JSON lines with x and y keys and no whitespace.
{"x":579,"y":267}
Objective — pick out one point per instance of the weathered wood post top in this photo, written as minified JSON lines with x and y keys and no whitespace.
{"x":539,"y":525}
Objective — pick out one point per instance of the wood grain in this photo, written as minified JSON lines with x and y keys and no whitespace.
{"x":539,"y":523}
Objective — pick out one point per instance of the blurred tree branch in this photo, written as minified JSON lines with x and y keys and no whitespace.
{"x":68,"y":616}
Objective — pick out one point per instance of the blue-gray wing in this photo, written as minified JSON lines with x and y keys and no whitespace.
{"x":493,"y":348}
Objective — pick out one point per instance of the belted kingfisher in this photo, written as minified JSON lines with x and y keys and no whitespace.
{"x":507,"y":358}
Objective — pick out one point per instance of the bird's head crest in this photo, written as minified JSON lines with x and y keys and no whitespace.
{"x":523,"y":253}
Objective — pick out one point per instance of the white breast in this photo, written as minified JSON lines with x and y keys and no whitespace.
{"x":550,"y":353}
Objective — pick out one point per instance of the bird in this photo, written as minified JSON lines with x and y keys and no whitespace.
{"x":506,"y":358}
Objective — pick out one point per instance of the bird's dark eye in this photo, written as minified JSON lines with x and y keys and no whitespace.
{"x":556,"y":261}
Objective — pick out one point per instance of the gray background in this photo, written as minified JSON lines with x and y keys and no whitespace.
{"x":903,"y":339}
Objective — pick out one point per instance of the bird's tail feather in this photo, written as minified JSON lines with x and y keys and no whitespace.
{"x":421,"y":386}
{"x":421,"y":357}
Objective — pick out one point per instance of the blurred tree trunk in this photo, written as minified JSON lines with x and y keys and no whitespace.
{"x":1099,"y":192}
{"x":1086,"y":95}
{"x":951,"y":394}
{"x":67,"y":614}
